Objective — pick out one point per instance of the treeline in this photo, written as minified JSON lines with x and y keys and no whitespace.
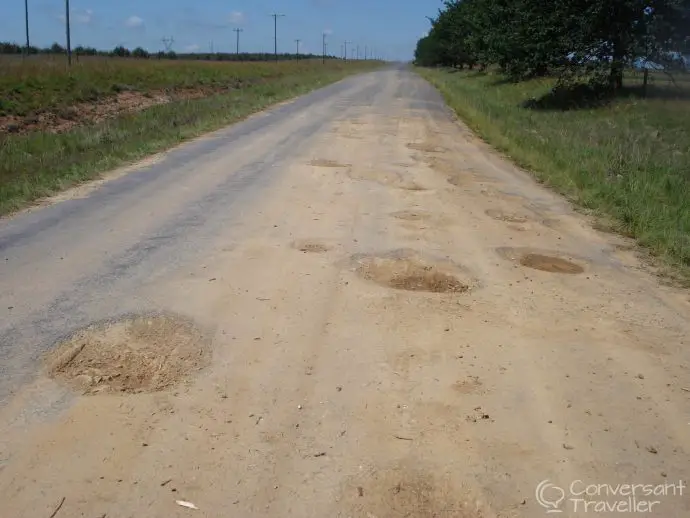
{"x":140,"y":53}
{"x":573,"y":39}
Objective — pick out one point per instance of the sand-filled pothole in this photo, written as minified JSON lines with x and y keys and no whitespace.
{"x":310,"y":246}
{"x":547,"y":261}
{"x":505,"y":216}
{"x":321,"y":162}
{"x":550,"y":264}
{"x":411,"y":215}
{"x":145,"y":353}
{"x":408,"y":270}
{"x":425,"y":147}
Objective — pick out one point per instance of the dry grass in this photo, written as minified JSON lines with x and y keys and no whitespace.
{"x":627,"y":159}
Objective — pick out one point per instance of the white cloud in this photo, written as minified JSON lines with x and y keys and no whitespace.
{"x":237,"y":17}
{"x":134,"y":21}
{"x":83,"y":17}
{"x":192,"y":48}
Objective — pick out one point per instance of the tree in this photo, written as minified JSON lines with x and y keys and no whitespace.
{"x":593,"y":39}
{"x":120,"y":52}
{"x":140,"y":53}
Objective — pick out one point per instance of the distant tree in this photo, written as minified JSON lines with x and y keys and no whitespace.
{"x":56,"y":48}
{"x":120,"y":52}
{"x":140,"y":53}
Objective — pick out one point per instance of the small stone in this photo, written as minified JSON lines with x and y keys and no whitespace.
{"x":568,"y":447}
{"x":640,"y":376}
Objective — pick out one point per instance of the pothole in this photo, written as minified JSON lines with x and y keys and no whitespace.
{"x":412,"y":186}
{"x":408,"y":270}
{"x":546,"y":261}
{"x":550,"y":264}
{"x":310,"y":246}
{"x":505,"y":216}
{"x":321,"y":162}
{"x":145,"y":353}
{"x":456,"y":180}
{"x":411,"y":215}
{"x":408,"y":488}
{"x":425,"y":147}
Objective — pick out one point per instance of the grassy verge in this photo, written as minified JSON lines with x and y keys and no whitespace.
{"x":39,"y":164}
{"x":627,"y":161}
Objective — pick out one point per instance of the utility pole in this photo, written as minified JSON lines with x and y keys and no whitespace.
{"x":238,"y":40}
{"x":323,"y":48}
{"x":275,"y":33}
{"x":346,"y":42}
{"x":69,"y":44}
{"x":26,"y":19}
{"x":357,"y":51}
{"x":168,"y":43}
{"x":366,"y":49}
{"x":297,"y":41}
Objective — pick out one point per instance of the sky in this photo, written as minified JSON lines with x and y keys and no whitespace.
{"x":390,"y":27}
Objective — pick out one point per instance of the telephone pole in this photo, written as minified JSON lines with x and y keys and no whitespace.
{"x":69,"y":44}
{"x":366,"y":49}
{"x":297,"y":41}
{"x":357,"y":51}
{"x":346,"y":43}
{"x":275,"y":33}
{"x":26,"y":19}
{"x":323,"y":59}
{"x":238,"y":40}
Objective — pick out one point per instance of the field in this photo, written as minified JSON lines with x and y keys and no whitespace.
{"x":626,"y":161}
{"x":61,"y":126}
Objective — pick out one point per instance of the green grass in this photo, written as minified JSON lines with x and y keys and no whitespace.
{"x":41,"y":163}
{"x":45,"y":82}
{"x":627,"y":161}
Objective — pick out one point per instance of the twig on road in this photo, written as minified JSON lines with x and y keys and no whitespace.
{"x":58,"y":508}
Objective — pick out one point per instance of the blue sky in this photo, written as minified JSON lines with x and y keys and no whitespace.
{"x":392,"y":27}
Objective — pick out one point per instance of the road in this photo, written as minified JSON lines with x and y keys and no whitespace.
{"x":345,"y":306}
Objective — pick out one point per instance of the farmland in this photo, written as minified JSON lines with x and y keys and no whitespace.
{"x":60,"y":126}
{"x":626,"y":161}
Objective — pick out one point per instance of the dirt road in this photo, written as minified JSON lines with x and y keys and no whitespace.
{"x":346,"y":306}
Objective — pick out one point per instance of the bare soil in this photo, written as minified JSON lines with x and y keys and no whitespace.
{"x":88,"y":113}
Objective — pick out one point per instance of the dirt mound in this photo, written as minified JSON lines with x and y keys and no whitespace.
{"x":321,"y":162}
{"x":407,"y":270}
{"x":544,"y":260}
{"x":505,"y":216}
{"x":550,"y":264}
{"x":140,"y":354}
{"x":310,"y":246}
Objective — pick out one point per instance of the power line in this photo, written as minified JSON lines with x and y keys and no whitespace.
{"x":275,"y":33}
{"x":238,"y":39}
